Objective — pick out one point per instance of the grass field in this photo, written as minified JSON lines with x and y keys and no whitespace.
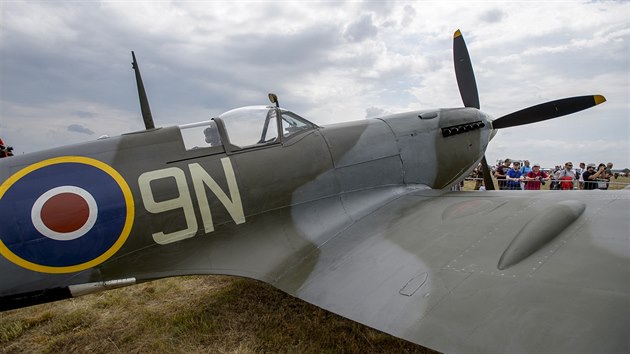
{"x":200,"y":314}
{"x":209,"y":314}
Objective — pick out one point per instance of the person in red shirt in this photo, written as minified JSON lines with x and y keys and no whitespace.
{"x":535,"y":177}
{"x":5,"y":151}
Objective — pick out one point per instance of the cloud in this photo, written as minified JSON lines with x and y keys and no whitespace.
{"x":83,"y":114}
{"x":374,"y":112}
{"x":492,"y":16}
{"x":361,"y":30}
{"x":409,"y":15}
{"x":79,"y":129}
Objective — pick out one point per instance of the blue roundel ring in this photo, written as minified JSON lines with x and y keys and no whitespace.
{"x":25,"y":238}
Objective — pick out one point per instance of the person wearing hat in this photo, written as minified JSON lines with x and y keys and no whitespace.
{"x":514,"y":177}
{"x":535,"y":177}
{"x":591,"y":176}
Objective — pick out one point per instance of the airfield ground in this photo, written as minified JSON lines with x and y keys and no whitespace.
{"x":196,"y":314}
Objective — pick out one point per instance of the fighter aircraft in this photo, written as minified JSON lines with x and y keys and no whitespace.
{"x":353,"y":217}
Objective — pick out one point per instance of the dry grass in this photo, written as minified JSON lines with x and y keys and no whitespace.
{"x":210,"y":314}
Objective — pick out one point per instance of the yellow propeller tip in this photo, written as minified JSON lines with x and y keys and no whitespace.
{"x":457,"y":34}
{"x":599,"y":99}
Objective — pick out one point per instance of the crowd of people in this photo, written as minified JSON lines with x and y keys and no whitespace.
{"x":511,"y":175}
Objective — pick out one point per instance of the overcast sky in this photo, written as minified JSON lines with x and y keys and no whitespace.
{"x":65,"y":72}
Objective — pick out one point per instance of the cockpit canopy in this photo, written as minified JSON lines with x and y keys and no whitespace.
{"x":246,"y":127}
{"x":255,"y":125}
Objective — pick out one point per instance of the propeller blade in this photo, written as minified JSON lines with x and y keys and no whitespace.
{"x":548,"y":110}
{"x":487,"y":177}
{"x":144,"y":101}
{"x":464,"y":72}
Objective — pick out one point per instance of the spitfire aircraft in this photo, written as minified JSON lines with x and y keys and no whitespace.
{"x":353,"y":217}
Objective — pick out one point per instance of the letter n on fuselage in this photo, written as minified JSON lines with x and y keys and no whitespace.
{"x":232,"y":204}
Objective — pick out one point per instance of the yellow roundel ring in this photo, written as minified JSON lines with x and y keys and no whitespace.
{"x":25,"y":242}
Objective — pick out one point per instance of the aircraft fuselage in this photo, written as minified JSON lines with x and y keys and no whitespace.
{"x":141,"y":201}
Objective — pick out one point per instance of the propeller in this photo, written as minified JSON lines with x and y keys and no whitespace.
{"x":548,"y":110}
{"x":544,"y":111}
{"x":487,"y":177}
{"x":464,"y":72}
{"x":468,"y":90}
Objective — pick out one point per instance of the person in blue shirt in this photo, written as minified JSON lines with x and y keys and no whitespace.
{"x":525,"y":169}
{"x":514,"y":176}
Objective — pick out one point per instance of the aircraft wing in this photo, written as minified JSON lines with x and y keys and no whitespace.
{"x":425,"y":267}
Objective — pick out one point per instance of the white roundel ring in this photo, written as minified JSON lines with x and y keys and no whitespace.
{"x":64,"y":213}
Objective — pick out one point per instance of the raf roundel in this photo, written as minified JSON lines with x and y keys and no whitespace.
{"x":65,"y":214}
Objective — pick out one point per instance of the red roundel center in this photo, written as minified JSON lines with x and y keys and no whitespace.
{"x":65,"y":212}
